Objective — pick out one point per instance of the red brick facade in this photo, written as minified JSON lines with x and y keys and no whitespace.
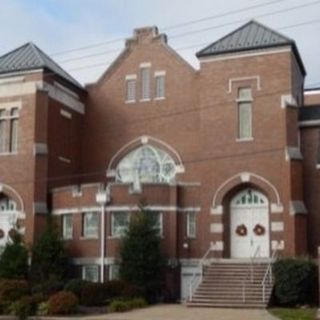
{"x":71,"y":142}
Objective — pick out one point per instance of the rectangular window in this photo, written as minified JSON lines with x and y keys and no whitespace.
{"x":114,"y":272}
{"x":191,"y":224}
{"x":160,"y":86}
{"x":2,"y":131}
{"x":119,"y":223}
{"x":14,"y":114}
{"x":158,"y":225}
{"x":145,"y":83}
{"x":67,"y":227}
{"x":90,"y":273}
{"x":244,"y":113}
{"x":130,"y":90}
{"x":90,"y":225}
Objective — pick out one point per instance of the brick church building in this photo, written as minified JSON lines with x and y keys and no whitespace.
{"x":226,"y":157}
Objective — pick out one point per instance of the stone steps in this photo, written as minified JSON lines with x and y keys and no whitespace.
{"x":222,"y":286}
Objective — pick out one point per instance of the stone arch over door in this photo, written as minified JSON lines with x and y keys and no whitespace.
{"x":11,"y":214}
{"x":251,"y":179}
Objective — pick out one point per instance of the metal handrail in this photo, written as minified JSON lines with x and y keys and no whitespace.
{"x":268,"y":275}
{"x":196,"y":280}
{"x":250,"y":272}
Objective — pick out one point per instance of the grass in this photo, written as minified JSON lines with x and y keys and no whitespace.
{"x":294,"y":314}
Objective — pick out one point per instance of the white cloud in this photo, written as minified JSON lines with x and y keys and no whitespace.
{"x":57,"y":25}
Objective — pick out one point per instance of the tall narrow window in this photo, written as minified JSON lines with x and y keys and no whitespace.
{"x":90,"y":225}
{"x":67,"y":227}
{"x":131,"y":90}
{"x":2,"y":131}
{"x":191,"y":224}
{"x":244,"y":113}
{"x":14,"y":115}
{"x":160,"y":80}
{"x":145,"y":83}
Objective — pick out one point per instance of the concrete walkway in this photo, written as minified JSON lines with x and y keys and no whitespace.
{"x":180,"y":312}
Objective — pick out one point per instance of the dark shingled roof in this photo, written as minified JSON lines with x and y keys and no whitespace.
{"x":309,"y":113}
{"x":251,"y":36}
{"x":30,"y":57}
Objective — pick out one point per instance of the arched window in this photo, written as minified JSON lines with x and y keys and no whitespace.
{"x":146,"y":164}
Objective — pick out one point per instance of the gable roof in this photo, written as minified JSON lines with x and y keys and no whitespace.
{"x":30,"y":57}
{"x":251,"y":36}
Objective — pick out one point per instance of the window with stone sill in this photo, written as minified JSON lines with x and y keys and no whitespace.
{"x":130,"y":90}
{"x":90,"y":225}
{"x":191,"y":224}
{"x":244,"y":113}
{"x":160,"y":86}
{"x":119,"y":224}
{"x":67,"y":226}
{"x":157,"y":218}
{"x":146,"y":164}
{"x":90,"y":273}
{"x":145,"y":83}
{"x":114,"y":272}
{"x":9,"y":130}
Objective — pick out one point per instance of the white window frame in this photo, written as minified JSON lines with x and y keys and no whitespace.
{"x":160,"y":215}
{"x":94,"y":268}
{"x":241,"y":102}
{"x":145,"y":81}
{"x":114,"y":272}
{"x":158,"y":75}
{"x":65,"y":233}
{"x":119,"y":231}
{"x":191,"y":235}
{"x":131,"y":78}
{"x":7,"y":119}
{"x":86,"y":233}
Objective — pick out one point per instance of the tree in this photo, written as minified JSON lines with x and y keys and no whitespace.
{"x":142,"y":262}
{"x":14,"y":259}
{"x":49,"y":260}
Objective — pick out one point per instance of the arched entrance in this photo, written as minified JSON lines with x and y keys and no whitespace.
{"x":249,"y":224}
{"x":8,"y":218}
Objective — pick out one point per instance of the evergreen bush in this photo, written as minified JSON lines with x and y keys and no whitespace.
{"x":142,"y":262}
{"x":14,"y":259}
{"x":296,"y":281}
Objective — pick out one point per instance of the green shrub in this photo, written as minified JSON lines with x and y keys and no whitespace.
{"x":24,"y":307}
{"x":12,"y":290}
{"x":5,"y":307}
{"x":98,"y":294}
{"x":14,"y":259}
{"x":63,"y":302}
{"x":43,"y":309}
{"x":48,"y":288}
{"x":75,"y":286}
{"x":138,"y":303}
{"x":132,"y":291}
{"x":122,"y":305}
{"x":295,"y":281}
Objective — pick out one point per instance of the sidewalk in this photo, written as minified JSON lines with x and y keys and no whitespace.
{"x":178,"y":312}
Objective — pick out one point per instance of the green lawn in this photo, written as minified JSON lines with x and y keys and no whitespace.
{"x":294,"y":314}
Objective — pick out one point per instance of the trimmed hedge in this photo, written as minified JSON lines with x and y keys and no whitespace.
{"x":12,"y":290}
{"x":296,"y":281}
{"x":63,"y":302}
{"x":75,"y":286}
{"x":98,"y":294}
{"x":120,"y":305}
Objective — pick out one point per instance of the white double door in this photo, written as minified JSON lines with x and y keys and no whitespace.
{"x":249,"y":225}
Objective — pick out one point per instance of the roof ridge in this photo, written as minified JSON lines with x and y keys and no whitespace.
{"x":35,"y":50}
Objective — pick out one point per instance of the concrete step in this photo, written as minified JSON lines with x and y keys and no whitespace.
{"x":227,"y":305}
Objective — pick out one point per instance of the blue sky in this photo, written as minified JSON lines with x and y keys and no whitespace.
{"x":59,"y":25}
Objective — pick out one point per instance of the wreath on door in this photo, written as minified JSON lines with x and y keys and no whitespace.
{"x":241,"y":230}
{"x":1,"y":233}
{"x":259,"y":230}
